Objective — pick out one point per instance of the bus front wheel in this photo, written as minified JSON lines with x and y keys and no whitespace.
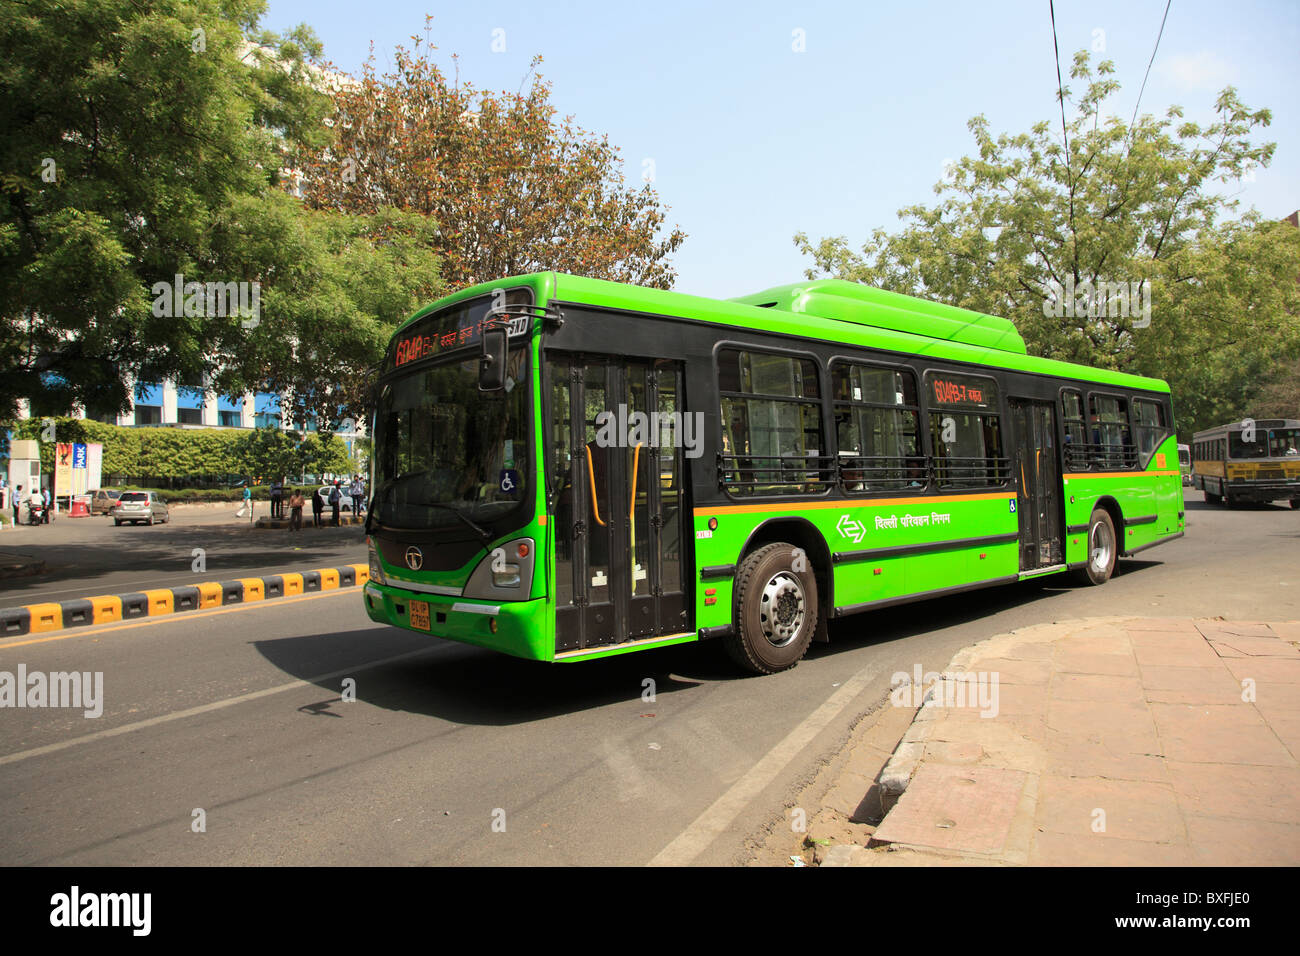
{"x":1102,"y":548}
{"x":776,"y":609}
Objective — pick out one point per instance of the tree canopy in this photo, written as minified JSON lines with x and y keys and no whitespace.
{"x":1047,"y":234}
{"x":511,"y":188}
{"x":131,"y":128}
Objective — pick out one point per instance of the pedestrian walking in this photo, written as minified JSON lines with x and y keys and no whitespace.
{"x":277,"y":498}
{"x":247,"y":505}
{"x":317,"y":506}
{"x":17,"y":502}
{"x":47,"y":499}
{"x":296,"y":501}
{"x":336,"y":501}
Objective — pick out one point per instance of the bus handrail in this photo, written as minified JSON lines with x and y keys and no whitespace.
{"x":591,"y":474}
{"x":636,"y":466}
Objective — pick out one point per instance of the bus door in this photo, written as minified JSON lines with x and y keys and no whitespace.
{"x":617,"y":479}
{"x":1038,"y":497}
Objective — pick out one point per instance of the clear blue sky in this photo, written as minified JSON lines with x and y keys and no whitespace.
{"x":752,"y":142}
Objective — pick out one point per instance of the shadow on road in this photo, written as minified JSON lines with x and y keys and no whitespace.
{"x":1238,"y":506}
{"x":469,"y":685}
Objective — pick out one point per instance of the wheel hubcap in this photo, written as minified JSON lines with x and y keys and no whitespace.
{"x":781,"y":609}
{"x":1099,"y":548}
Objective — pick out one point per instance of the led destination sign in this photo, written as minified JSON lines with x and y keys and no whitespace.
{"x":458,"y":326}
{"x":962,"y":391}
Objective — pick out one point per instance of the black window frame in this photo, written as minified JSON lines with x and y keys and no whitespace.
{"x":1126,"y":458}
{"x":856,"y":478}
{"x":1077,"y":457}
{"x":981,"y":474}
{"x":814,"y":477}
{"x":1162,"y":431}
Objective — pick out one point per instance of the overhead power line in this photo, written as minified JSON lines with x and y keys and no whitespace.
{"x":1148,"y":72}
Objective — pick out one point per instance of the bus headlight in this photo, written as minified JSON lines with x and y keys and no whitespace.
{"x":376,"y":566}
{"x":504,"y":573}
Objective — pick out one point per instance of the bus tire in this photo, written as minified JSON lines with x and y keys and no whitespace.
{"x":1295,"y":504}
{"x":1103,"y":548}
{"x":776,"y":610}
{"x":1211,"y":498}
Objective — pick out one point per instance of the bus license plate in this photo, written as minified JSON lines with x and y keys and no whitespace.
{"x":419,"y":615}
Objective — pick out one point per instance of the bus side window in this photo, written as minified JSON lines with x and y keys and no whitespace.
{"x":1076,"y":430}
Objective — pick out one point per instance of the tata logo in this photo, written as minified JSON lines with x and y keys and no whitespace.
{"x":414,"y":558}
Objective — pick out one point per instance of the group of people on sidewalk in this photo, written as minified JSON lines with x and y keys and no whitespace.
{"x":331,"y":495}
{"x":37,"y":500}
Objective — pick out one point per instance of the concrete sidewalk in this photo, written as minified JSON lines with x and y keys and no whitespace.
{"x":1108,"y":741}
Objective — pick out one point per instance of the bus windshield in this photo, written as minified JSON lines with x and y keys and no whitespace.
{"x":1283,"y":442}
{"x":1270,"y":443}
{"x":447,"y":452}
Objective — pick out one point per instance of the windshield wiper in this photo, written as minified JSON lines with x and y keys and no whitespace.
{"x":388,"y":487}
{"x":481,"y":532}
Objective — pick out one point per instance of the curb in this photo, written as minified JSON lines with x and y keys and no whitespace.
{"x":266,"y":522}
{"x":111,"y":608}
{"x":897,"y":772}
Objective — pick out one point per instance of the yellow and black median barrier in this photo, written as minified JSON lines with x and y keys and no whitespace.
{"x":111,"y":608}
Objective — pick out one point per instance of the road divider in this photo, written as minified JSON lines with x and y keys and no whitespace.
{"x":110,"y":608}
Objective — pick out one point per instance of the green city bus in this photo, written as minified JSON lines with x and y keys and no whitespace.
{"x":567,"y":468}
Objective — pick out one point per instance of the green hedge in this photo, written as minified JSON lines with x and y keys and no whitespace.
{"x":173,"y":457}
{"x":261,"y":493}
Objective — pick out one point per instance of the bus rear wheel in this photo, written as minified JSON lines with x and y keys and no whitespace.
{"x":1102,"y":548}
{"x":776,"y":609}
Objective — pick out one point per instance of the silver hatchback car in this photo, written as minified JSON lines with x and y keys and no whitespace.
{"x":137,"y":506}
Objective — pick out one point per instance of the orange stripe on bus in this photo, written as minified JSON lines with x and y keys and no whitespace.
{"x":1119,"y":474}
{"x":854,"y":503}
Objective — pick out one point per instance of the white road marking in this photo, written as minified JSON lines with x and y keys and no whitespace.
{"x":710,"y":824}
{"x":205,"y":708}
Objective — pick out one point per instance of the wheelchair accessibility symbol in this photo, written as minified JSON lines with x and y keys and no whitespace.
{"x":1012,"y":503}
{"x":509,"y":483}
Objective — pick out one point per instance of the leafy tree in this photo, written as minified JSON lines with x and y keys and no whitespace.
{"x":131,"y":129}
{"x":324,"y":454}
{"x":334,"y":287}
{"x":510,"y":188}
{"x":1027,"y":218}
{"x":1280,"y":398}
{"x":269,"y":453}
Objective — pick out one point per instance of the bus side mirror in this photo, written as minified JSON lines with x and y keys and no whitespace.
{"x":492,"y":361}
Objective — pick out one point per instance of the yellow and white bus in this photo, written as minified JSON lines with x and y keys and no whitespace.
{"x":1249,"y":460}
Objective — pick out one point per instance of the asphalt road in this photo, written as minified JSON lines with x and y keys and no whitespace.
{"x":238,"y":712}
{"x":85,"y":556}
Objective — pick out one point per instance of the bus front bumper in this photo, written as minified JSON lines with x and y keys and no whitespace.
{"x":518,"y":628}
{"x":1262,"y":489}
